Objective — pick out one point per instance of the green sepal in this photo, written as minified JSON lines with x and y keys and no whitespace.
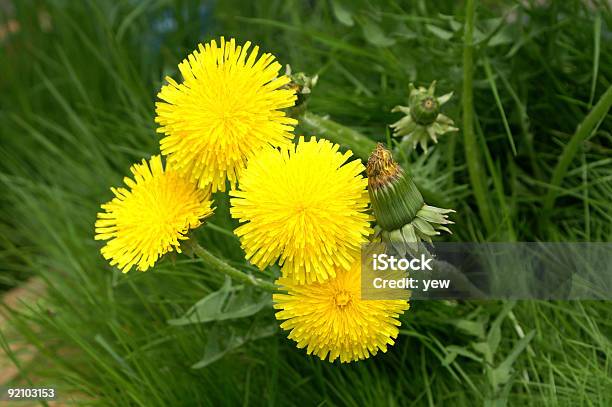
{"x":396,"y":203}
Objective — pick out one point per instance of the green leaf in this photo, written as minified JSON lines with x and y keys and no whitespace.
{"x":225,"y":304}
{"x":225,"y":339}
{"x":342,"y":13}
{"x":449,"y":358}
{"x":374,"y":34}
{"x":494,"y":334}
{"x":439,"y":32}
{"x":403,"y":32}
{"x":453,"y":351}
{"x":484,"y":349}
{"x":503,"y":37}
{"x":475,"y":328}
{"x":502,"y":373}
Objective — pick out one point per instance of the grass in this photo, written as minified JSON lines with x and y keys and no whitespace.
{"x":76,"y":108}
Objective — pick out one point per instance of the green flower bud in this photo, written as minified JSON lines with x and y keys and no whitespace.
{"x":422,"y":119}
{"x":394,"y":197}
{"x":402,"y":217}
{"x":424,"y":108}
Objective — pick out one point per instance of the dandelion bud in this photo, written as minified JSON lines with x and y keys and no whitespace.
{"x":394,"y":196}
{"x":424,"y":108}
{"x":402,"y":216}
{"x":422,"y":119}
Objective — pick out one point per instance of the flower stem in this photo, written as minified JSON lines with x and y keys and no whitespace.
{"x":472,"y":154}
{"x":219,"y":265}
{"x":361,"y":145}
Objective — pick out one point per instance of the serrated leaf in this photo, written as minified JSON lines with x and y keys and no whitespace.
{"x":225,"y":304}
{"x":224,"y":339}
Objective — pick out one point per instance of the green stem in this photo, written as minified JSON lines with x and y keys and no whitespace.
{"x":219,"y":265}
{"x":569,"y":152}
{"x":361,"y":145}
{"x":472,"y":154}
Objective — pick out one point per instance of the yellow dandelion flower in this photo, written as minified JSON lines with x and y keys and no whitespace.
{"x":305,"y":207}
{"x":227,"y":108}
{"x":150,"y":218}
{"x":331,"y":320}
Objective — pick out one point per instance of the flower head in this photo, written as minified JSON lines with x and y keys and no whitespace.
{"x":331,"y":320}
{"x":227,"y":108}
{"x":305,"y":206}
{"x":151,"y":217}
{"x":422,"y":119}
{"x":402,"y":216}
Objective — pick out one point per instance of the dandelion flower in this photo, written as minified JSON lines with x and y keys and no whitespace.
{"x":227,"y":108}
{"x":331,"y":320}
{"x":305,"y":207}
{"x":151,"y":217}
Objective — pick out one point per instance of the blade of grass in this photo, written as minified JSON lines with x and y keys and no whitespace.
{"x":596,"y":52}
{"x":498,"y":187}
{"x":472,"y":154}
{"x":571,"y":149}
{"x":502,"y":112}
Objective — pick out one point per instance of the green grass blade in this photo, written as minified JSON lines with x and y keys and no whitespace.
{"x":472,"y":153}
{"x":590,"y":122}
